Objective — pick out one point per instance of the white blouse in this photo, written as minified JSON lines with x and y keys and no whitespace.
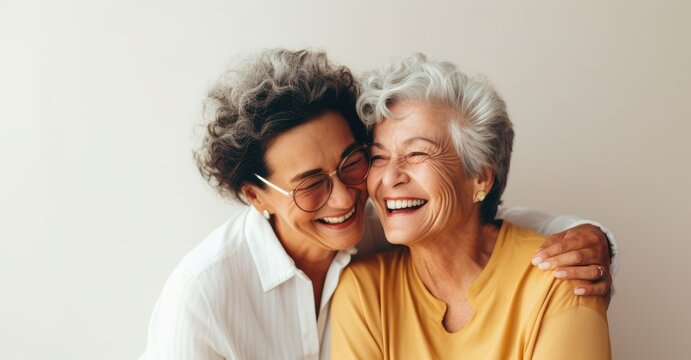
{"x":238,"y":295}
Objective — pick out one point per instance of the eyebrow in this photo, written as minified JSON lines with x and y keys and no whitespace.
{"x":408,"y":142}
{"x":306,"y":174}
{"x":312,"y":172}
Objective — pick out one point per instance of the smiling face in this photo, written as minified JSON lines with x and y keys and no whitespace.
{"x":315,"y":147}
{"x":417,"y":180}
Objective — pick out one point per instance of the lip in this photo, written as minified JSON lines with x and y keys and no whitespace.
{"x":339,"y":215}
{"x":402,"y":198}
{"x":342,"y":225}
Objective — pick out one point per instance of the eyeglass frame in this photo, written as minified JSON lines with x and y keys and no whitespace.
{"x":291,"y":194}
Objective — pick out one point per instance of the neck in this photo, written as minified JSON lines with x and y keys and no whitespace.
{"x":315,"y":268}
{"x":314,"y":261}
{"x":449,"y":262}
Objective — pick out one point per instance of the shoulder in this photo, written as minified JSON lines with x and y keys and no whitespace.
{"x":560,"y":298}
{"x":554,"y":294}
{"x":216,"y":259}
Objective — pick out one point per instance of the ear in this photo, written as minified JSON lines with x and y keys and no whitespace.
{"x":255,"y":196}
{"x":483,"y":182}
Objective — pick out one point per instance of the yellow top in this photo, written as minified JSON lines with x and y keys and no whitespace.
{"x":382,"y":310}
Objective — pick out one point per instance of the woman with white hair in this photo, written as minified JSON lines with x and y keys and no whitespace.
{"x":462,"y":287}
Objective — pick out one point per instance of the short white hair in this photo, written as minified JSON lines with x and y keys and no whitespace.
{"x":482,"y":132}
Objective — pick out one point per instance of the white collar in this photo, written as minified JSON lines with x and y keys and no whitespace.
{"x":274,"y":265}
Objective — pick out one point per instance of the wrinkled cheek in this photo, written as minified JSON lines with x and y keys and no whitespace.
{"x":451,"y":194}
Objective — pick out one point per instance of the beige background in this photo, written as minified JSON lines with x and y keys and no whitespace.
{"x":99,"y":198}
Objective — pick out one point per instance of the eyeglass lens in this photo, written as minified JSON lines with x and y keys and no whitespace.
{"x":314,"y":192}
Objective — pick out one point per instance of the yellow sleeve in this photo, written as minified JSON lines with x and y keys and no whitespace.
{"x":353,"y":332}
{"x":580,"y":332}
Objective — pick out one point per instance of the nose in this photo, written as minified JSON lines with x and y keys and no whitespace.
{"x":342,"y":196}
{"x":393,"y":174}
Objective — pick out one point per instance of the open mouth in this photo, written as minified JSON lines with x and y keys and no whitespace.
{"x":338,"y":219}
{"x":404,"y":204}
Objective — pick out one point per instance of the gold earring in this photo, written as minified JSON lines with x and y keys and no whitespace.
{"x":481,"y":195}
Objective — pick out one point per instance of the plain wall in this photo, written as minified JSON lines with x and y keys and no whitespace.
{"x":99,"y":197}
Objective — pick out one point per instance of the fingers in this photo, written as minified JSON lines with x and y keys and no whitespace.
{"x":589,"y":236}
{"x":571,"y":258}
{"x":582,"y":254}
{"x":581,"y":245}
{"x":593,"y":289}
{"x":591,"y":280}
{"x":554,"y":248}
{"x":600,"y":288}
{"x":554,"y":245}
{"x":593,"y":273}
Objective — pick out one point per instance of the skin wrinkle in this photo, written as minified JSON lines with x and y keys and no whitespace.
{"x":443,"y":164}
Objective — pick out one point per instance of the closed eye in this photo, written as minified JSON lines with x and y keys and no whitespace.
{"x":379,"y":160}
{"x":416,"y":157}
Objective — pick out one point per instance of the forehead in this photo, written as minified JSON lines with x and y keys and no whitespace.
{"x":316,"y":144}
{"x":418,"y":120}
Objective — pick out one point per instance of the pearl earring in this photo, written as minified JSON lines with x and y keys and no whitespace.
{"x":266,"y":214}
{"x":481,"y":195}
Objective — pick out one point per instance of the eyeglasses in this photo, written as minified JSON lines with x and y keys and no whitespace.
{"x":312,"y":193}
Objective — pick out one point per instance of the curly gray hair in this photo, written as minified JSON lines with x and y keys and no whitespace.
{"x":482,"y":132}
{"x":265,"y":96}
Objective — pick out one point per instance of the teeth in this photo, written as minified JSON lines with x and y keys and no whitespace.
{"x":402,"y":204}
{"x":338,"y":220}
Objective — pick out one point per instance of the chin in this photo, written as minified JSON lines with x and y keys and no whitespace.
{"x":346,"y":238}
{"x":397,"y":237}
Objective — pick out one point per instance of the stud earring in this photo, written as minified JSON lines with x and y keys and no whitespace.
{"x":266,"y":214}
{"x":481,"y":195}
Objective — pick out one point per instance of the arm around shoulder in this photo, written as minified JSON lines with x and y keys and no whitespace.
{"x":548,"y":224}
